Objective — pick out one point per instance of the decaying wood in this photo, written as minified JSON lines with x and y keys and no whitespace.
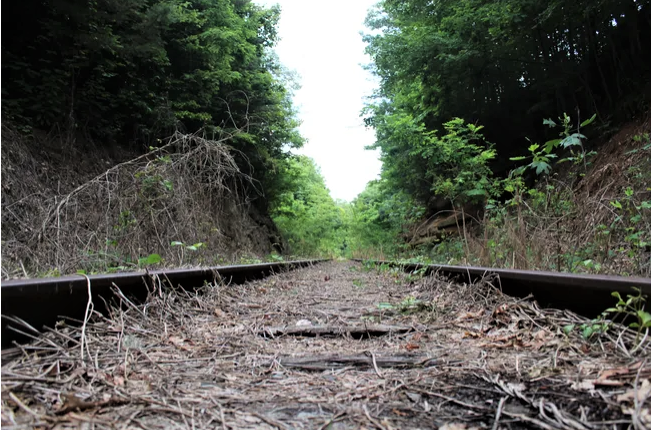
{"x":361,"y":331}
{"x":325,"y":362}
{"x":72,"y":403}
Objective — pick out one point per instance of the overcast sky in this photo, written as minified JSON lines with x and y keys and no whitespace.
{"x":321,"y":41}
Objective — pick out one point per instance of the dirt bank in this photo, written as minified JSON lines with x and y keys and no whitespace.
{"x":70,"y":205}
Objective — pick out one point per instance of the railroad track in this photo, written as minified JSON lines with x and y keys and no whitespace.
{"x":42,"y":301}
{"x":353,"y":344}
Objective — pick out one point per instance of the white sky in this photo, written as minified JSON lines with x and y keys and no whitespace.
{"x":321,"y":41}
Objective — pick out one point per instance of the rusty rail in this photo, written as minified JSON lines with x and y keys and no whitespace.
{"x":587,"y":295}
{"x":42,"y":301}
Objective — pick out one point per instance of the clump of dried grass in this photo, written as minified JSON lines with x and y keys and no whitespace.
{"x":119,"y":363}
{"x":189,"y":190}
{"x":568,"y":231}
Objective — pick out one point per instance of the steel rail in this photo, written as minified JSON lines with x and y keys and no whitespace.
{"x":42,"y":301}
{"x":587,"y":295}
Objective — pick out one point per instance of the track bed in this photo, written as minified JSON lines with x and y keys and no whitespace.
{"x":334,"y":346}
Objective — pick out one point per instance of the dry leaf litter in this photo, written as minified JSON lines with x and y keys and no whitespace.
{"x":333,"y":346}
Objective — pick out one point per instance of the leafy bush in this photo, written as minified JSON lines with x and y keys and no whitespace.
{"x":308,"y":218}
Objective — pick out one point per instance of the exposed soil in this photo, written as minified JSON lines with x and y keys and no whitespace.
{"x":616,"y":162}
{"x":334,"y":346}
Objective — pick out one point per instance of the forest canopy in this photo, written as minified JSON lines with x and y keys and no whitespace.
{"x":133,"y":71}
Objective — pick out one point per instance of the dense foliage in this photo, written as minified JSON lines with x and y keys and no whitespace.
{"x":503,"y":64}
{"x":523,"y":69}
{"x":476,"y":99}
{"x":133,"y":71}
{"x":378,"y":216}
{"x":309,"y":219}
{"x":313,"y":223}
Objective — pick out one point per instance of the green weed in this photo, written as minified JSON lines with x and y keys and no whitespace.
{"x":633,"y":307}
{"x":358,"y":283}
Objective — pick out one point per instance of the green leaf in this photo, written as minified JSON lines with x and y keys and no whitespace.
{"x":551,"y":144}
{"x":568,"y":328}
{"x":589,"y":121}
{"x":150,"y":259}
{"x":541,"y":167}
{"x":549,"y":122}
{"x":476,"y":192}
{"x":645,"y":317}
{"x":177,"y":243}
{"x":570,"y":141}
{"x":168,"y":184}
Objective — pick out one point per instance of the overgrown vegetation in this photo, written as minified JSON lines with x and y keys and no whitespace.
{"x":497,"y":195}
{"x":316,"y":225}
{"x":136,"y":214}
{"x":81,"y":79}
{"x":310,"y":220}
{"x":492,"y":120}
{"x":584,"y":218}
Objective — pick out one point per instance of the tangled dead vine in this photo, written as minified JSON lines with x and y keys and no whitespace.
{"x":190,"y":190}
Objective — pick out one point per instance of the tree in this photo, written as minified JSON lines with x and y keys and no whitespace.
{"x":503,"y":64}
{"x":133,"y":71}
{"x":308,"y":218}
{"x":378,"y":216}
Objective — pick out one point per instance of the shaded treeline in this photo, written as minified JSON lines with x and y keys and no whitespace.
{"x":506,"y":65}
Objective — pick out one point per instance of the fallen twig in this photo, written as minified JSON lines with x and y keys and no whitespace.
{"x":356,"y":331}
{"x":340,"y":361}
